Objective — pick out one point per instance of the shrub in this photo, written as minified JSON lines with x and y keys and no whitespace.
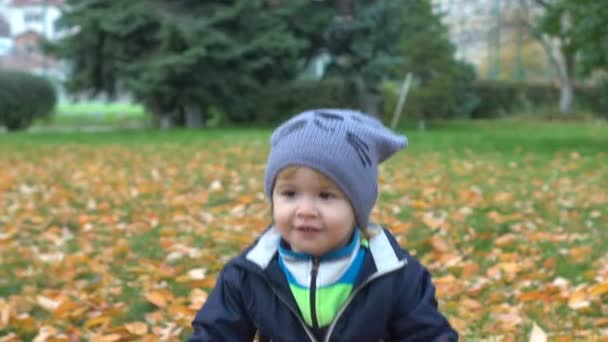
{"x":278,"y":103}
{"x":498,"y":98}
{"x":443,"y":96}
{"x":24,"y":97}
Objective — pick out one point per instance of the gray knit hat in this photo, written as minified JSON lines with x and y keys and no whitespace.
{"x":344,"y":145}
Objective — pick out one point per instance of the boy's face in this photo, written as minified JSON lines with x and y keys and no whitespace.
{"x":312,"y":214}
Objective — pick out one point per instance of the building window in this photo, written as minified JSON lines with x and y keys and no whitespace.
{"x":32,"y":17}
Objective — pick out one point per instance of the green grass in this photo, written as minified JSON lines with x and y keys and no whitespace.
{"x":94,"y":114}
{"x":556,"y":173}
{"x":97,"y":108}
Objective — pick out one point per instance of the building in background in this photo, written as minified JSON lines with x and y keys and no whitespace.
{"x":490,"y":35}
{"x":26,"y":24}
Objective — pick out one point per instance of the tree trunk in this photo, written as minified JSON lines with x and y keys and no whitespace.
{"x":194,"y":117}
{"x":422,"y":125}
{"x":167,"y":120}
{"x":566,"y":96}
{"x":567,"y":85}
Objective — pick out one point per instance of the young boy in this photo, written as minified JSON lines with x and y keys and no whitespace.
{"x":322,"y":271}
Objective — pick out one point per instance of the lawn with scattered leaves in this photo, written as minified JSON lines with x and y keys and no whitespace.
{"x":120,"y":236}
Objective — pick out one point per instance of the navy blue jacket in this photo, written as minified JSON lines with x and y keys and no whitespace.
{"x":393,"y":300}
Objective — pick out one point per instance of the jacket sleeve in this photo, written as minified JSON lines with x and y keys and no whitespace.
{"x":223,"y":317}
{"x":417,"y":317}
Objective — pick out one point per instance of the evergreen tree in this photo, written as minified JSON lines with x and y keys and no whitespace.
{"x":182,"y":57}
{"x":441,"y":83}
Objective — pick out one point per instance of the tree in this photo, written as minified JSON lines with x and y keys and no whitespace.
{"x":568,"y":30}
{"x":441,"y":82}
{"x":180,"y":58}
{"x":362,"y":41}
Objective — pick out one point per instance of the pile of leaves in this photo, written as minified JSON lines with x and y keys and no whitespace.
{"x":119,"y":242}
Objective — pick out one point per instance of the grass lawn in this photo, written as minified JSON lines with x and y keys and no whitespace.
{"x":116,"y":114}
{"x":122,"y":234}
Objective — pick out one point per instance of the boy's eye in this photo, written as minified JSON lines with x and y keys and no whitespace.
{"x":327,"y":195}
{"x":288,"y":193}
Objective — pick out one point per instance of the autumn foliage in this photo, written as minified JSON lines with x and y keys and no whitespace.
{"x":123,"y":241}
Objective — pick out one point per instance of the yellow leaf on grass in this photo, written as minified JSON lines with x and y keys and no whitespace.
{"x":158,"y":298}
{"x":65,"y":307}
{"x":439,"y":244}
{"x":97,"y":321}
{"x":599,"y":289}
{"x":471,"y":304}
{"x":510,"y":267}
{"x":579,"y":300}
{"x":137,"y":328}
{"x":107,"y":338}
{"x":5,"y":313}
{"x":24,"y":324}
{"x":469,"y":269}
{"x":580,"y":254}
{"x":197,"y":299}
{"x":503,"y":197}
{"x":506,"y":240}
{"x":433,"y":221}
{"x":601,"y":322}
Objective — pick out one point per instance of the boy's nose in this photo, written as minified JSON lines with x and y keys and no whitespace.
{"x":306,"y":208}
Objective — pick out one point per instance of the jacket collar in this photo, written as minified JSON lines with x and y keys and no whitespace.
{"x":382,"y":250}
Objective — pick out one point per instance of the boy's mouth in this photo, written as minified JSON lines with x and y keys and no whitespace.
{"x":307,"y":229}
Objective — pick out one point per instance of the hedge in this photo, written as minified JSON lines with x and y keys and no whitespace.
{"x":24,"y":97}
{"x":499,"y":98}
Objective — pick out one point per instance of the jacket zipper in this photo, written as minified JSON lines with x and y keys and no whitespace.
{"x":354,"y":293}
{"x":313,"y":293}
{"x":296,"y":313}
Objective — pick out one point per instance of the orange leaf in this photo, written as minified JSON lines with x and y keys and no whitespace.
{"x":503,"y":197}
{"x":433,"y":221}
{"x":580,"y":254}
{"x":96,"y":321}
{"x":469,"y":269}
{"x":578,"y":300}
{"x":157,"y":298}
{"x":197,"y":299}
{"x":439,"y":244}
{"x":137,"y":328}
{"x":506,"y":240}
{"x":107,"y":338}
{"x":471,"y":304}
{"x":531,"y":296}
{"x":5,"y":313}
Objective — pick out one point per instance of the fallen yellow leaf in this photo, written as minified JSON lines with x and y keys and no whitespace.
{"x":157,"y":298}
{"x":96,"y":321}
{"x":580,"y":254}
{"x":579,"y":300}
{"x":107,"y":338}
{"x":137,"y":328}
{"x":439,"y":244}
{"x":599,"y":289}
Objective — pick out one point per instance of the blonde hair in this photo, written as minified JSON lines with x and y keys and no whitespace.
{"x":290,"y":171}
